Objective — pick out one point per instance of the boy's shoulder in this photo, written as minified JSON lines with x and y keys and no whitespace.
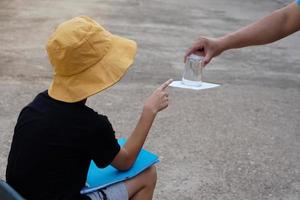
{"x":100,"y":119}
{"x":94,"y":113}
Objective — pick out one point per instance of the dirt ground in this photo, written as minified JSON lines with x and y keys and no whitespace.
{"x":238,"y":141}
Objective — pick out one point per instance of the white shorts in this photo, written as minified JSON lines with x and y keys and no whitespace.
{"x":117,"y":191}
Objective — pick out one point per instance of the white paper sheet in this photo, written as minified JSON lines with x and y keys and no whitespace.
{"x":203,"y":86}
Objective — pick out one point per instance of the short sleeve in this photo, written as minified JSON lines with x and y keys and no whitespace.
{"x":104,"y":146}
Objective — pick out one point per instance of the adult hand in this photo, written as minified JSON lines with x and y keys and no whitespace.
{"x":159,"y":99}
{"x":206,"y":47}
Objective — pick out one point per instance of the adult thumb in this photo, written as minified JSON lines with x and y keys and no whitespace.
{"x":206,"y":59}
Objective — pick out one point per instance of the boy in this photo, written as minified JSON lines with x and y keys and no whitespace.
{"x":57,"y":135}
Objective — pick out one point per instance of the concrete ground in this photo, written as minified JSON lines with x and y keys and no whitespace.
{"x":238,"y":141}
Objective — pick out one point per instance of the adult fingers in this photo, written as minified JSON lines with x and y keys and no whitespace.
{"x":197,"y":47}
{"x":206,"y":59}
{"x":200,"y":53}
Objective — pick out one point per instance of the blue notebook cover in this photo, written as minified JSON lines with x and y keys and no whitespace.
{"x":98,"y":178}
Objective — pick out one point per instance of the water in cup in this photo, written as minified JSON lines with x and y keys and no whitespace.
{"x":192,"y":75}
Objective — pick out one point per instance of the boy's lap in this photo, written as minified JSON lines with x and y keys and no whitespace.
{"x":117,"y":191}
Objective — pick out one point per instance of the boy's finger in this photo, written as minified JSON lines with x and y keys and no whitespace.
{"x":166,"y":84}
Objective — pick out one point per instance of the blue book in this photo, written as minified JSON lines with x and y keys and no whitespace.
{"x":98,"y":178}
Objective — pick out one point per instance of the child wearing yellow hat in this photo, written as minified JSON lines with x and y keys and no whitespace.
{"x":57,"y":135}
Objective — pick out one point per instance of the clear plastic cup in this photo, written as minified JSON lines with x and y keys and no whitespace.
{"x":192,"y":75}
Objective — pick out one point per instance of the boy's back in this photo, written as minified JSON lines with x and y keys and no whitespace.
{"x":70,"y":134}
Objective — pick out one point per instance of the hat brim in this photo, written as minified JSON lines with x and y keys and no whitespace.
{"x":104,"y":74}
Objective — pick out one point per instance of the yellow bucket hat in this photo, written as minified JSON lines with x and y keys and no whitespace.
{"x":86,"y":59}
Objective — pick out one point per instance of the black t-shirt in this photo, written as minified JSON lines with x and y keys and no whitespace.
{"x":53,"y":145}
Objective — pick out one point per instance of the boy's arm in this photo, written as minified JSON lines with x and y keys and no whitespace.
{"x":275,"y":26}
{"x":155,"y":103}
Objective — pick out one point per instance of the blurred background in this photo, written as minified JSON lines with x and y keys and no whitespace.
{"x":237,"y":141}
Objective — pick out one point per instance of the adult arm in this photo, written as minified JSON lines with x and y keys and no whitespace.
{"x":155,"y":103}
{"x":273,"y":27}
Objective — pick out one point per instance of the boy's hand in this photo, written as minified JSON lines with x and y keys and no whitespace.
{"x":159,"y":99}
